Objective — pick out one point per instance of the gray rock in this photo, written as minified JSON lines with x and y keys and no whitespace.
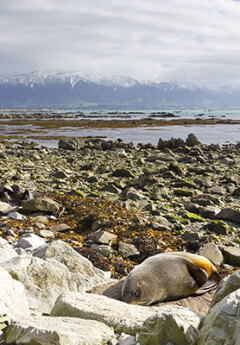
{"x":228,"y":285}
{"x":217,"y":190}
{"x":127,"y":249}
{"x":60,"y":228}
{"x":13,"y":300}
{"x":70,"y":144}
{"x":222,"y":325}
{"x":212,"y":252}
{"x":192,"y":140}
{"x":102,"y":237}
{"x":53,"y":269}
{"x":132,"y":194}
{"x":229,"y":214}
{"x":45,"y":233}
{"x":177,"y":328}
{"x":46,"y":205}
{"x":122,"y":173}
{"x":6,"y":251}
{"x":6,"y":208}
{"x":17,"y":216}
{"x":43,"y":330}
{"x":231,"y":255}
{"x":111,"y":188}
{"x":126,"y":339}
{"x":30,"y":241}
{"x":127,"y":318}
{"x":103,"y":249}
{"x":209,"y":211}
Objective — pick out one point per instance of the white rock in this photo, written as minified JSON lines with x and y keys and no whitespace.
{"x":126,"y":339}
{"x":30,"y":242}
{"x":123,"y":317}
{"x":6,"y":251}
{"x":17,"y":216}
{"x":60,"y":269}
{"x":6,"y":208}
{"x":13,"y":300}
{"x":222,"y":324}
{"x":44,"y":330}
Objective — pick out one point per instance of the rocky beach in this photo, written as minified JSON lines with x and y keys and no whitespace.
{"x":76,"y":219}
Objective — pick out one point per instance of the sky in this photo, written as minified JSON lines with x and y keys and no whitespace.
{"x":161,"y":40}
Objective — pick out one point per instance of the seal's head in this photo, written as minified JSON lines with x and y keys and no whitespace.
{"x":136,"y":290}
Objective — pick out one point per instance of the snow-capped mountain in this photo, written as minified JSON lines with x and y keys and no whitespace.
{"x":78,"y":90}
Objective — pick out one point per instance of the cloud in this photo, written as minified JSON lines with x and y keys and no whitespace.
{"x":177,"y":40}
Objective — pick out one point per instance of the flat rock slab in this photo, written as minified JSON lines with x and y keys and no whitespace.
{"x":123,"y":317}
{"x":43,"y":330}
{"x":198,"y":304}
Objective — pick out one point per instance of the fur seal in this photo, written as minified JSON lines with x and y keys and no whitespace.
{"x":169,"y":276}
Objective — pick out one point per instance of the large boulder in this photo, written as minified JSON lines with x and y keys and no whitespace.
{"x":121,"y":316}
{"x":44,"y":330}
{"x":54,"y":269}
{"x":13,"y":300}
{"x":222,"y":324}
{"x":6,"y":251}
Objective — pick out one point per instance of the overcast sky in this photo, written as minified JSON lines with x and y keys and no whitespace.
{"x":165,"y":40}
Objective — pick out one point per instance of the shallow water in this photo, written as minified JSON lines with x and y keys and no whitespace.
{"x":207,"y":134}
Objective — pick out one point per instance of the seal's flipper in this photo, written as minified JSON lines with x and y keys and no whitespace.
{"x":199,"y":274}
{"x":210,"y":284}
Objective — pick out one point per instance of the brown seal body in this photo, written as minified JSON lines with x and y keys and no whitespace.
{"x":169,"y":276}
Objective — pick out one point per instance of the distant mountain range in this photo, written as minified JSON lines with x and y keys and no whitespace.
{"x":76,"y":90}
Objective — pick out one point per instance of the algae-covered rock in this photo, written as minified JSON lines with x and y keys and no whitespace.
{"x":219,"y":227}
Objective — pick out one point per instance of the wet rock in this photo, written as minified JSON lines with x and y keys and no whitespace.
{"x":132,"y":194}
{"x":175,"y":167}
{"x":44,"y":330}
{"x":111,"y":188}
{"x":45,"y":205}
{"x":103,"y":249}
{"x":60,"y":228}
{"x":171,"y":143}
{"x":70,"y":144}
{"x":217,"y":190}
{"x":121,"y":316}
{"x":212,"y":252}
{"x":60,"y":174}
{"x":231,"y":255}
{"x":6,"y":251}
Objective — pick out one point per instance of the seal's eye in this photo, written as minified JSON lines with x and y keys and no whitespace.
{"x":137,"y":293}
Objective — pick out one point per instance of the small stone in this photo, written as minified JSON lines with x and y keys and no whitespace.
{"x":219,"y":227}
{"x":127,"y":249}
{"x":30,"y":241}
{"x":209,"y":211}
{"x":6,"y":208}
{"x":217,"y":190}
{"x":192,"y":140}
{"x":231,"y":255}
{"x":212,"y":252}
{"x":60,"y":227}
{"x":102,"y":237}
{"x":17,"y":216}
{"x":229,"y":214}
{"x":126,"y":339}
{"x":122,"y":173}
{"x":103,"y":249}
{"x":111,"y":189}
{"x":45,"y":233}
